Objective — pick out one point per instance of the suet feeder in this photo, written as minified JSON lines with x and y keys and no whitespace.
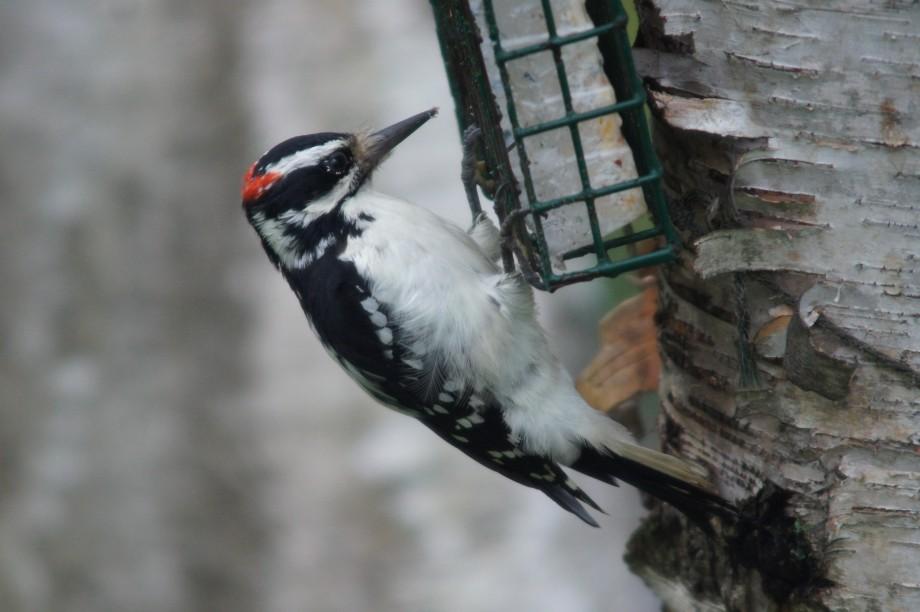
{"x":572,"y":114}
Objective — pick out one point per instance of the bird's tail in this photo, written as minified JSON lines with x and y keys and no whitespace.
{"x":682,"y":484}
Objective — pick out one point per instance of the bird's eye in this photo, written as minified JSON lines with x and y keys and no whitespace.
{"x":336,"y":163}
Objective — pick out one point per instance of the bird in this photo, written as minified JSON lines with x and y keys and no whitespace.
{"x":419,"y":313}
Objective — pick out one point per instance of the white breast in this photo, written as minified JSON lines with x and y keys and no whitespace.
{"x":442,"y":288}
{"x":444,"y":291}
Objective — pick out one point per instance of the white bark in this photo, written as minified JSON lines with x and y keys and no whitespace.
{"x":816,"y":107}
{"x":538,"y":99}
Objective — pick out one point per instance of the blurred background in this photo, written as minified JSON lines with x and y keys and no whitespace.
{"x":172,"y":437}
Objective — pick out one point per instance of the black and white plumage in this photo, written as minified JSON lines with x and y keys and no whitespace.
{"x":419,"y":314}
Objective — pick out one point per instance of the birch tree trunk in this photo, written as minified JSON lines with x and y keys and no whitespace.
{"x":789,"y":131}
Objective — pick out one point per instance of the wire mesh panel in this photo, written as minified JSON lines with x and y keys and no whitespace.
{"x":538,"y":251}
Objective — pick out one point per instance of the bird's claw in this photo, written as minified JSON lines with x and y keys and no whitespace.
{"x":471,"y":135}
{"x":509,"y":221}
{"x":468,"y":168}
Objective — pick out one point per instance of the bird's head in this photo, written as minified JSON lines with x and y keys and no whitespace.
{"x":304,"y":178}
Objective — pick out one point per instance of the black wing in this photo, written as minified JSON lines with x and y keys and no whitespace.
{"x":360,"y":334}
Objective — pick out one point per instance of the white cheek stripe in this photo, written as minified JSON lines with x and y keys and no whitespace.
{"x":273,"y":232}
{"x":304,"y":157}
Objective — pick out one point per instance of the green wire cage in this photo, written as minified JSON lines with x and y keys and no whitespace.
{"x":475,"y":100}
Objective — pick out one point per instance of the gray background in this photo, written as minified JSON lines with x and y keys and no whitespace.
{"x":172,"y":437}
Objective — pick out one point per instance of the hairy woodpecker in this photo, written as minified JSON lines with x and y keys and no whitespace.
{"x":419,"y":314}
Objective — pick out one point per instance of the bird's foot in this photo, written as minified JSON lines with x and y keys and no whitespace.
{"x":469,"y":168}
{"x":508,"y":225}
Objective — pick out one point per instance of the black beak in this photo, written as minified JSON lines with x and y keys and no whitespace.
{"x":383,"y":141}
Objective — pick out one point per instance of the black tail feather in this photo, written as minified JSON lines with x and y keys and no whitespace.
{"x":582,"y":496}
{"x":697,"y":504}
{"x":568,"y":501}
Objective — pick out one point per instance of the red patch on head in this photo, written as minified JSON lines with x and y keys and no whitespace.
{"x":255,"y":185}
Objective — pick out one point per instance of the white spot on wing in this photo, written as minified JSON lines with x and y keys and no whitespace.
{"x":445,"y":397}
{"x":385,"y":334}
{"x":370,"y":305}
{"x":413,"y":363}
{"x":418,"y":347}
{"x":379,"y":319}
{"x":548,"y":475}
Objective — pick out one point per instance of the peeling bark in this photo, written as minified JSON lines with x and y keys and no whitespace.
{"x":790,"y":329}
{"x":628,"y":362}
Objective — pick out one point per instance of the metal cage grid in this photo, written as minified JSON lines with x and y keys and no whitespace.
{"x":610,"y":29}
